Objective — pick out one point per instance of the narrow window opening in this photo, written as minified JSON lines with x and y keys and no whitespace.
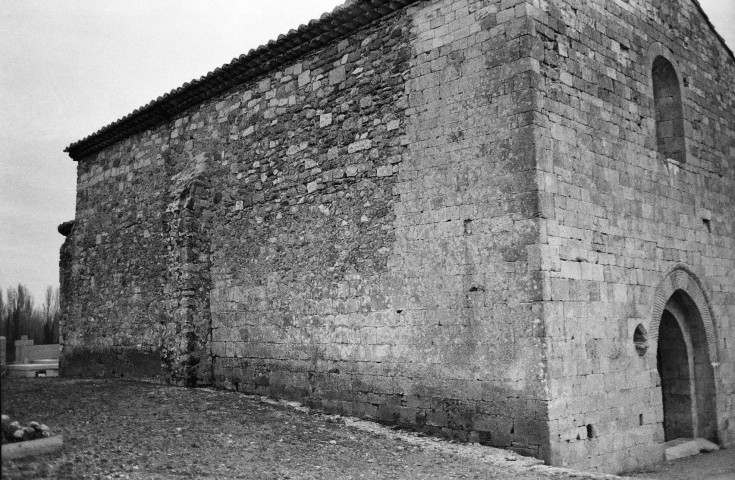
{"x":640,"y":419}
{"x":640,"y":339}
{"x":468,"y":227}
{"x":590,"y":431}
{"x":707,"y":224}
{"x":668,"y":111}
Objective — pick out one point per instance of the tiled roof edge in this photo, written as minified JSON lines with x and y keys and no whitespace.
{"x":344,"y":19}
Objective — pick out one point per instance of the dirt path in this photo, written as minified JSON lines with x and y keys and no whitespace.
{"x":135,"y":430}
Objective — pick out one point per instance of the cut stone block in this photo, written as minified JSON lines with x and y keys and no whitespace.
{"x":680,"y":448}
{"x":33,"y":369}
{"x":706,"y":445}
{"x":31,"y":448}
{"x":687,"y":447}
{"x":46,"y":361}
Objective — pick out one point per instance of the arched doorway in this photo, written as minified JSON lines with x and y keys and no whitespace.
{"x":685,"y":368}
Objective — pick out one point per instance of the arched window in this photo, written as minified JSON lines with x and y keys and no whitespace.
{"x":669,"y":112}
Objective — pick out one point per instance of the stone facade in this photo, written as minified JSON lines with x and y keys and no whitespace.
{"x":475,"y":218}
{"x":622,"y":222}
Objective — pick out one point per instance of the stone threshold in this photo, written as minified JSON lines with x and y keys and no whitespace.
{"x":687,"y":447}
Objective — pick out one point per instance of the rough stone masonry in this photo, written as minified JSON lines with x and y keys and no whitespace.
{"x":505,"y":221}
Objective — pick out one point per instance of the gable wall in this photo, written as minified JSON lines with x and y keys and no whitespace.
{"x":619,"y":219}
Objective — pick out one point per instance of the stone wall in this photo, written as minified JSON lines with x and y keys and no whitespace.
{"x":355,"y":230}
{"x":117,"y":290}
{"x":619,"y":217}
{"x":372,"y":258}
{"x":27,"y":352}
{"x":467,"y":231}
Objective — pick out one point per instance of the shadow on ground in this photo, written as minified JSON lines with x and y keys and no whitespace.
{"x":718,"y":465}
{"x":136,"y":430}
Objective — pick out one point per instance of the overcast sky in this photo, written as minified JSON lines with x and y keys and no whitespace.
{"x":69,"y":68}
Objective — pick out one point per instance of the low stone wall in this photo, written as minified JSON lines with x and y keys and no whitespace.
{"x":26,"y":351}
{"x":85,"y":362}
{"x":39,"y":352}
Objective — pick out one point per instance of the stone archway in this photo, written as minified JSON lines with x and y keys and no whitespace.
{"x":686,"y":353}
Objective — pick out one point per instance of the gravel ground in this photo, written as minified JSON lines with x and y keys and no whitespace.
{"x":718,"y":465}
{"x":137,"y":430}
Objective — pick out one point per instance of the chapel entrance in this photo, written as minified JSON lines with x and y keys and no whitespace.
{"x":685,"y":369}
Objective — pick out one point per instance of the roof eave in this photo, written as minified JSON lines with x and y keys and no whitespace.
{"x":342,"y":21}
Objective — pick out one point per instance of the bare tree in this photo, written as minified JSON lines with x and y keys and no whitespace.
{"x":20,"y":307}
{"x":51,"y":315}
{"x":46,"y":307}
{"x":3,"y":326}
{"x":18,"y":317}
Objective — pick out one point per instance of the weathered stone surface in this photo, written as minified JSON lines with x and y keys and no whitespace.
{"x":453,"y":219}
{"x":620,"y":216}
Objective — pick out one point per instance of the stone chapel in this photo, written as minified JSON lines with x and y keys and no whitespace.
{"x":505,"y":221}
